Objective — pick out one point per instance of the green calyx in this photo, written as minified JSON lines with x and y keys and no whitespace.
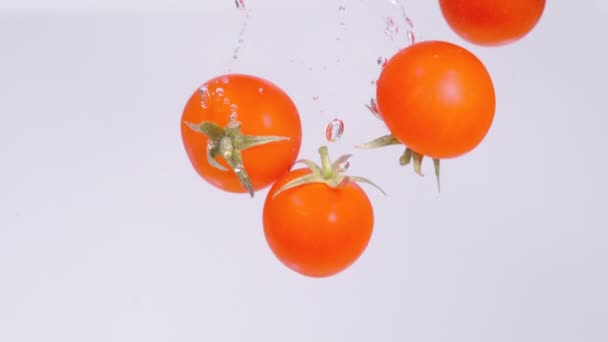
{"x":228,"y":143}
{"x":407,"y":157}
{"x":329,"y":173}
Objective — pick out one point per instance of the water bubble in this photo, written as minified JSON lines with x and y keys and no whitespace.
{"x":334,"y":130}
{"x":219,"y":91}
{"x":409,"y":22}
{"x":342,"y":8}
{"x":233,"y":116}
{"x":382,"y":61}
{"x":238,"y":168}
{"x":240,"y":4}
{"x":344,"y":166}
{"x":260,"y":90}
{"x":205,"y":94}
{"x":391,"y":29}
{"x":411,"y":38}
{"x":233,"y":108}
{"x":315,"y":98}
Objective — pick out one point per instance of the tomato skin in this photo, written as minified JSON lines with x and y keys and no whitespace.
{"x":437,"y":98}
{"x":316,"y":230}
{"x":492,"y":22}
{"x":263,"y":109}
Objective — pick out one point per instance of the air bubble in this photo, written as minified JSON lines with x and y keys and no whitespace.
{"x":219,"y":91}
{"x":334,"y":130}
{"x":260,"y":90}
{"x":204,"y":95}
{"x":409,"y":22}
{"x":382,"y":61}
{"x":344,"y":166}
{"x":240,"y":4}
{"x":391,"y":29}
{"x":233,"y":108}
{"x":411,"y":37}
{"x":226,"y":101}
{"x":233,"y":116}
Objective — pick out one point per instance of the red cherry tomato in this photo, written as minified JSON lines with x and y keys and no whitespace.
{"x":437,"y":98}
{"x":317,"y":230}
{"x":262,"y":109}
{"x":492,"y":22}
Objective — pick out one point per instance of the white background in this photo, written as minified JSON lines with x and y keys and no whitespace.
{"x":107,"y":233}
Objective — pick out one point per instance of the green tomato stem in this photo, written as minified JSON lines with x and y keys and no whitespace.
{"x":228,"y":142}
{"x":326,"y":166}
{"x":328,"y":173}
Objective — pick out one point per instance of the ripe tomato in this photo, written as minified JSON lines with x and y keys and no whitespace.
{"x":317,"y":230}
{"x":492,"y":22}
{"x":436,"y":98}
{"x":263,"y":110}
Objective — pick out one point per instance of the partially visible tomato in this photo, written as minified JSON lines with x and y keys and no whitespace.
{"x":436,"y":98}
{"x":261,"y":109}
{"x":320,"y":227}
{"x":492,"y":22}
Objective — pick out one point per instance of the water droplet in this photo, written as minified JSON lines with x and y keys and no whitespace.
{"x":260,"y":90}
{"x":205,"y":94}
{"x":233,"y":108}
{"x":344,"y":166}
{"x":391,"y":29}
{"x":219,"y":91}
{"x":409,"y":22}
{"x":233,"y":116}
{"x":334,"y":130}
{"x":410,"y":37}
{"x":382,"y":61}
